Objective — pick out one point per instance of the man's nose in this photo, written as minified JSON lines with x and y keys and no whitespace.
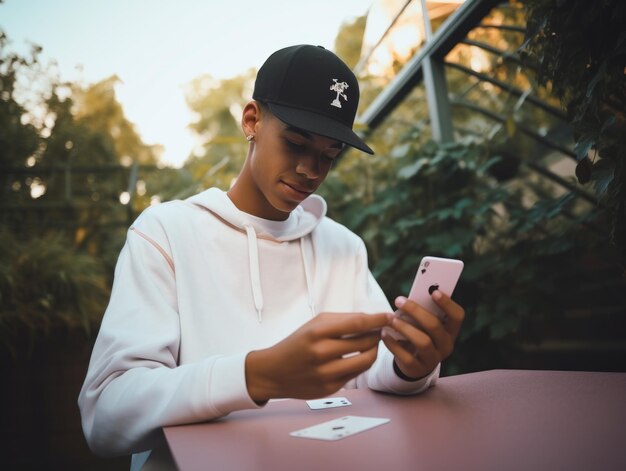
{"x":309,"y":166}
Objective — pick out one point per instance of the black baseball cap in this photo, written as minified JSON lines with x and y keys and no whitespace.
{"x":312,"y":89}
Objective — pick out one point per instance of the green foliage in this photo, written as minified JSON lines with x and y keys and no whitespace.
{"x":61,"y":229}
{"x":487,"y":199}
{"x":18,"y":139}
{"x":349,"y":39}
{"x":581,"y":50}
{"x":46,"y":284}
{"x":441,"y":200}
{"x":48,"y":130}
{"x":218,"y":105}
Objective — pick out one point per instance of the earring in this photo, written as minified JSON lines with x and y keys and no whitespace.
{"x":250,"y":137}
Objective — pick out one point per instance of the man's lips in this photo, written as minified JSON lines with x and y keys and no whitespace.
{"x":299,"y":188}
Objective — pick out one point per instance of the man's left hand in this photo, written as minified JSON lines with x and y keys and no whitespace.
{"x":430,"y":342}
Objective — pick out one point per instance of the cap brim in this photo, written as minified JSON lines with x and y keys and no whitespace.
{"x":319,"y":124}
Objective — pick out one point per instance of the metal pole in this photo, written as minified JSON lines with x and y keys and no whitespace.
{"x":436,"y":89}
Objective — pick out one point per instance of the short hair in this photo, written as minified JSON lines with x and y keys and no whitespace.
{"x":265,"y":109}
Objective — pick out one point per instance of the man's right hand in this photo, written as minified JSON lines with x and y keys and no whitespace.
{"x":317,"y":359}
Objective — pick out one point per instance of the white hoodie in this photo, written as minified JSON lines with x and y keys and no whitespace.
{"x":198,"y":285}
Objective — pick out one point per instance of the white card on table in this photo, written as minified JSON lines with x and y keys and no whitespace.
{"x":339,"y":428}
{"x":328,"y":402}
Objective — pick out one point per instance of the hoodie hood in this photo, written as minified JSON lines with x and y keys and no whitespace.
{"x":300,"y":222}
{"x":297,"y":226}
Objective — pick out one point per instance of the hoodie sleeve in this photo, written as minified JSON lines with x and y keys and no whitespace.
{"x":381,"y":376}
{"x":134,"y":385}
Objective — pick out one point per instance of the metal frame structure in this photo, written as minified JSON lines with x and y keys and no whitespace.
{"x":429,"y":66}
{"x":454,"y":30}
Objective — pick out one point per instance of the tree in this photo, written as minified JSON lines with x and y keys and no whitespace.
{"x":19,"y":138}
{"x":350,"y":39}
{"x":581,"y":49}
{"x":66,"y":154}
{"x":97,"y":109}
{"x":218,"y":105}
{"x":93,"y":147}
{"x":524,"y":239}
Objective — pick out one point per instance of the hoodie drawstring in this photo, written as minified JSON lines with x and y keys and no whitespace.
{"x":307,"y":277}
{"x":255,"y":277}
{"x":255,"y":273}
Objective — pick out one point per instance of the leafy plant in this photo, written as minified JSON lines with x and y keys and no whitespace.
{"x":581,"y":50}
{"x":63,"y":151}
{"x":444,"y":201}
{"x":46,"y":284}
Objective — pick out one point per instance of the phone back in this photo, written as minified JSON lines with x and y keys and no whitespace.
{"x":435,"y":273}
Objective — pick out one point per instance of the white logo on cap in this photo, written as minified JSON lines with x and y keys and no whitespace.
{"x":339,"y":87}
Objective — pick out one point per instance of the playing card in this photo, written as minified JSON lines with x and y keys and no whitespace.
{"x":339,"y":428}
{"x":328,"y":402}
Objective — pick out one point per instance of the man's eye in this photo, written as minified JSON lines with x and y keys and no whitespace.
{"x":294,"y":145}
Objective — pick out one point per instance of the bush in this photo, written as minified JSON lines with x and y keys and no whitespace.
{"x":523,"y":244}
{"x":44,"y":284}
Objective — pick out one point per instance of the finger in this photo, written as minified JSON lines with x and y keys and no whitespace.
{"x":424,"y":345}
{"x":337,"y":348}
{"x":399,"y":351}
{"x":412,"y":364}
{"x":419,"y":339}
{"x":430,"y":324}
{"x":348,"y":367}
{"x":350,"y":324}
{"x":455,"y":313}
{"x":366,"y":360}
{"x":416,"y":362}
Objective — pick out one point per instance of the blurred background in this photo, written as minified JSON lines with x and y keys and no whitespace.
{"x":499,"y":133}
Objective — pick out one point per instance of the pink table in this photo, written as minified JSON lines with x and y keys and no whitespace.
{"x":492,"y":420}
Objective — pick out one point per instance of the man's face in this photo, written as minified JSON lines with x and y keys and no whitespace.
{"x":285,"y":166}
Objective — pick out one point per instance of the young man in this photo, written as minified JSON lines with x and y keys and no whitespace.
{"x":229,"y":299}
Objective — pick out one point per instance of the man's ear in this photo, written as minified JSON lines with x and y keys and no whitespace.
{"x":250,"y":118}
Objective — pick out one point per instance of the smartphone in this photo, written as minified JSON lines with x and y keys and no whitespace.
{"x":434,"y":273}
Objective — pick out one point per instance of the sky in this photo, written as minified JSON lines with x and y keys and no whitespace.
{"x":156,"y":47}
